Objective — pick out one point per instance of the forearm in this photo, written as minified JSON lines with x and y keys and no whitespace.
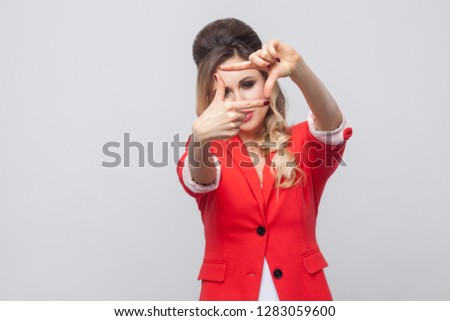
{"x":201,"y":165}
{"x":322,"y":104}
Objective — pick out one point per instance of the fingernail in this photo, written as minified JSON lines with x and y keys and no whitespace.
{"x":268,"y":66}
{"x":278,"y":59}
{"x":266,"y":103}
{"x":215,"y":77}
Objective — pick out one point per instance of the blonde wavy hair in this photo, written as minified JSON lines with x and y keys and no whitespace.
{"x":226,"y":38}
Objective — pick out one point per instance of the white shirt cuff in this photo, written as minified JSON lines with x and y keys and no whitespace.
{"x":196,"y":187}
{"x":332,"y":137}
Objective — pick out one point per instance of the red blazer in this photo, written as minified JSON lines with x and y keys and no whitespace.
{"x":243,"y":223}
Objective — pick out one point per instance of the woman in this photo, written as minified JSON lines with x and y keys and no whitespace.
{"x":260,"y":243}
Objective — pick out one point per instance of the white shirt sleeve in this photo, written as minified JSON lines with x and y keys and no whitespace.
{"x":196,"y":187}
{"x":333,"y":137}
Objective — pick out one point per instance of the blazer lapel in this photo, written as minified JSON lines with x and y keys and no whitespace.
{"x":243,"y":161}
{"x":268,"y":178}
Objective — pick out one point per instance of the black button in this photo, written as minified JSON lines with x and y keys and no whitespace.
{"x":261,"y":230}
{"x":277,"y":274}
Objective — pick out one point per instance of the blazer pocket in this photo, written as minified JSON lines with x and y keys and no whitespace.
{"x":213,"y":271}
{"x":314,"y":262}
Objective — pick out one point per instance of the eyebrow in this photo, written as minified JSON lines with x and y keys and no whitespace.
{"x":245,"y":79}
{"x":240,"y":83}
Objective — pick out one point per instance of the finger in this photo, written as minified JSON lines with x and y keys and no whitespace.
{"x":236,"y":115}
{"x":237,"y":66}
{"x":220,"y":90}
{"x":232,"y":132}
{"x":241,"y":116}
{"x":268,"y":86}
{"x":272,"y":49}
{"x":235,"y":124}
{"x":238,"y":124}
{"x":259,"y":62}
{"x":245,"y":104}
{"x":266,"y":55}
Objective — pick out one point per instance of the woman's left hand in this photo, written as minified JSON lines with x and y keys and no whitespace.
{"x":276,"y":58}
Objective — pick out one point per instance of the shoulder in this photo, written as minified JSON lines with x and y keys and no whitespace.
{"x":300,"y":127}
{"x":298,"y":131}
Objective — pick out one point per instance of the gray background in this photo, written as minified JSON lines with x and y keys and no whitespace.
{"x":77,"y":74}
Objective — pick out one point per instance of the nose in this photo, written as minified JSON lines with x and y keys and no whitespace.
{"x":236,"y":96}
{"x":239,"y":96}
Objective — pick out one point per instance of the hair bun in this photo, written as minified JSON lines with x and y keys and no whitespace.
{"x":229,"y":32}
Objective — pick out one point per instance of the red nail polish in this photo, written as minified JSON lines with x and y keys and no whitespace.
{"x":278,"y":59}
{"x":215,"y":77}
{"x":266,"y":103}
{"x":268,"y":66}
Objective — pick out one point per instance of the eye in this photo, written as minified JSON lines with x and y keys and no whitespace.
{"x":245,"y":85}
{"x":248,"y":84}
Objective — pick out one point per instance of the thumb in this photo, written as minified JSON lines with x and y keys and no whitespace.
{"x":220,"y":90}
{"x":268,"y":86}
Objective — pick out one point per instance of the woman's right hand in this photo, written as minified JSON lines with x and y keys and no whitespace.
{"x":222,"y":120}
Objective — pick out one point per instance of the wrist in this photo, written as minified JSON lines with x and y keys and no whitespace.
{"x":298,"y":70}
{"x":197,"y":135}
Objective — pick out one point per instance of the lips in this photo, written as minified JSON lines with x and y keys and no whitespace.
{"x":249,"y":115}
{"x":249,"y":111}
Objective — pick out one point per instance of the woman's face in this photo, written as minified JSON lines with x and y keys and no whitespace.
{"x":245,"y":85}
